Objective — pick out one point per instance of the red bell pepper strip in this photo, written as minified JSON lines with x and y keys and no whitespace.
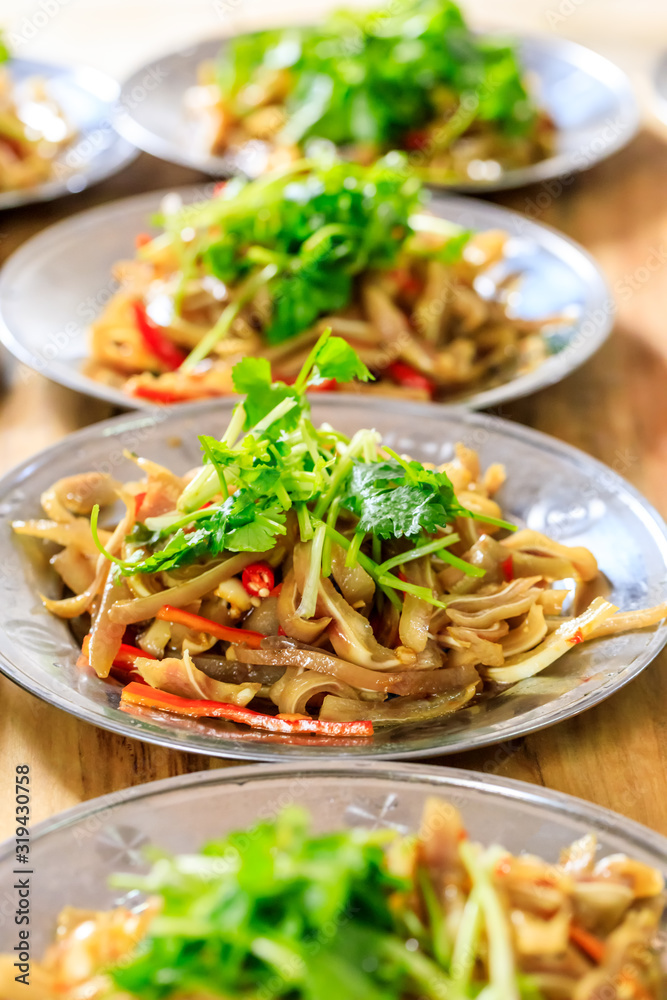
{"x":408,"y":376}
{"x":141,"y":694}
{"x":258,"y":579}
{"x":199,"y":624}
{"x":155,"y":339}
{"x":507,"y":566}
{"x":589,"y":943}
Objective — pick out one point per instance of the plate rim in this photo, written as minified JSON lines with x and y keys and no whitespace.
{"x":551,"y":371}
{"x":53,"y":189}
{"x":444,"y":776}
{"x":552,"y":167}
{"x":106,"y":430}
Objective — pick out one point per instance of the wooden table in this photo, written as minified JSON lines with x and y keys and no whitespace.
{"x":615,"y":408}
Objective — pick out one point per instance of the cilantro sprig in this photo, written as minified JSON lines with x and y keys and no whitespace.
{"x":371,"y":77}
{"x":299,"y":236}
{"x":273,"y":463}
{"x":278,"y":910}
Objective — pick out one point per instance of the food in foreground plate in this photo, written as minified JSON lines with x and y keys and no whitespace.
{"x":411,"y":76}
{"x":261,"y":268}
{"x":32,"y":130}
{"x":280,"y":911}
{"x":330,"y":581}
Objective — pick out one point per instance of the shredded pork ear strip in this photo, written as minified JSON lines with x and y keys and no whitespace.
{"x":477,"y":611}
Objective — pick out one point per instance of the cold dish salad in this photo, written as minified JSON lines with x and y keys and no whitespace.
{"x":263,"y":267}
{"x":33,"y":130}
{"x":409,"y":76}
{"x":279,"y":911}
{"x":328,"y":582}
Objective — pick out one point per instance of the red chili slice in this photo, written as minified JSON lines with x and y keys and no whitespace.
{"x":507,"y":566}
{"x":155,"y":339}
{"x":409,"y":377}
{"x":258,"y":579}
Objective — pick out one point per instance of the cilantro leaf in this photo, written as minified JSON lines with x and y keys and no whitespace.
{"x":364,"y":78}
{"x":393,"y":499}
{"x":335,"y":359}
{"x":252,"y":377}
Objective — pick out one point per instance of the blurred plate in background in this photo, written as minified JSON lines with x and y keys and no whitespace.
{"x":589,"y":99}
{"x":180,"y":814}
{"x":87,"y":99}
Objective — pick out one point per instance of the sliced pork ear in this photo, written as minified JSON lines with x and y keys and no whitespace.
{"x":533,"y":542}
{"x":600,"y":904}
{"x":628,"y":967}
{"x":467,"y":647}
{"x":579,"y":857}
{"x":80,"y":493}
{"x":526,"y":635}
{"x":306,"y":630}
{"x":301,"y":687}
{"x":75,"y":568}
{"x":483,"y":610}
{"x":440,"y":833}
{"x":352,"y":635}
{"x":183,"y":678}
{"x":355,"y":584}
{"x":162,"y":491}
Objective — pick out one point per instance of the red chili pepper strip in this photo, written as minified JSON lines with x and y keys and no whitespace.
{"x":141,"y":694}
{"x":276,"y":590}
{"x":258,"y":579}
{"x":577,"y":637}
{"x":159,"y":395}
{"x":408,"y":376}
{"x":589,"y":943}
{"x":199,"y":624}
{"x":156,"y":341}
{"x":507,"y":566}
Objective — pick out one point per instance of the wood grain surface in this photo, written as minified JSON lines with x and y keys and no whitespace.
{"x":614,"y":408}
